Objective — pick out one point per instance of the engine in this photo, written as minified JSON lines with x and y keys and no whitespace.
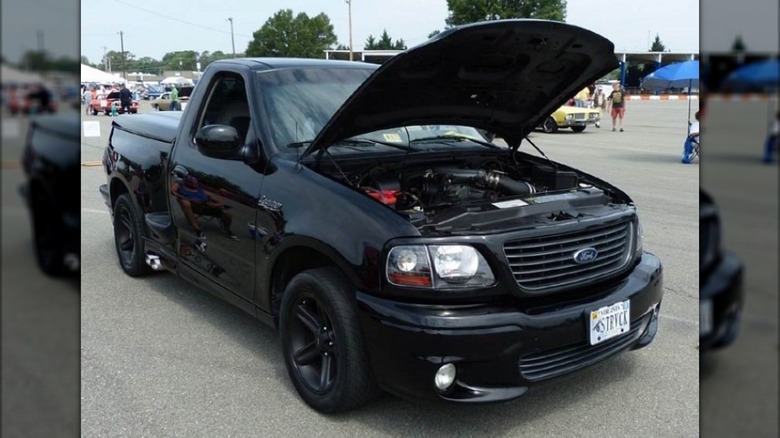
{"x":435,"y":187}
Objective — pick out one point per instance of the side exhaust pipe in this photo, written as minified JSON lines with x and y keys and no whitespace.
{"x":153,"y":260}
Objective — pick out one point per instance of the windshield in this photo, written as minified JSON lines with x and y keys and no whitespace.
{"x":299,"y":102}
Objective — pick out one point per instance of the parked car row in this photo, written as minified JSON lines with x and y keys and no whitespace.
{"x":104,"y":104}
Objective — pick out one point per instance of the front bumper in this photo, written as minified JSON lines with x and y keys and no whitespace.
{"x":580,"y":122}
{"x":499,"y":352}
{"x":720,"y":303}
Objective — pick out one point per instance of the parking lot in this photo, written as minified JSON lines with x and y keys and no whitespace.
{"x":162,"y":358}
{"x":739,"y":384}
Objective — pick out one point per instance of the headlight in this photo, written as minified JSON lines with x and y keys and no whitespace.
{"x":438,"y":267}
{"x":639,"y":236}
{"x":569,"y":116}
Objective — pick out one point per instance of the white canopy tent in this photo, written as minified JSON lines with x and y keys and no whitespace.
{"x":11,"y":75}
{"x":176,"y":80}
{"x":91,"y":74}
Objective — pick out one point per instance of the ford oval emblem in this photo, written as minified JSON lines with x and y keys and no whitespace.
{"x":585,"y":255}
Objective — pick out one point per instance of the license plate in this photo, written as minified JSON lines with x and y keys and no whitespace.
{"x":103,"y":103}
{"x":610,"y":321}
{"x":183,"y":105}
{"x":705,"y":317}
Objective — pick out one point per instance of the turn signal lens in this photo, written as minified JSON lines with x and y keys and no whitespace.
{"x":409,"y":266}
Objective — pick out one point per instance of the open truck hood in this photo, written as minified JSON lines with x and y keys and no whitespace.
{"x":502,"y":76}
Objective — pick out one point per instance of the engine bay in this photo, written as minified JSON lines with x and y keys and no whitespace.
{"x":476,"y":193}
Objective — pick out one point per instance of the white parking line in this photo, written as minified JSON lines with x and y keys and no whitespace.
{"x":674,"y":318}
{"x":92,"y":210}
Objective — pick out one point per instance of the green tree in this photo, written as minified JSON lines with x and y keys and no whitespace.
{"x":298,"y":36}
{"x":342,"y":47}
{"x":384,"y":43}
{"x":84,"y":60}
{"x":470,"y":11}
{"x":657,"y":46}
{"x":65,"y":64}
{"x":113,"y":59}
{"x":180,"y":60}
{"x":739,"y":45}
{"x":146,"y":64}
{"x":36,"y":60}
{"x":434,"y":33}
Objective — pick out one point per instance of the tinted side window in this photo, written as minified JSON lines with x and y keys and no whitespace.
{"x":227,"y":104}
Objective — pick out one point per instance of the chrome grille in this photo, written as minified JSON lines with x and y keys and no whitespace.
{"x":548,"y":262}
{"x":580,"y":116}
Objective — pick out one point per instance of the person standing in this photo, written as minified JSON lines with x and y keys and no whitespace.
{"x":125,"y":99}
{"x":617,"y":105}
{"x":599,"y":100}
{"x":174,"y":99}
{"x":87,"y":100}
{"x":581,"y":99}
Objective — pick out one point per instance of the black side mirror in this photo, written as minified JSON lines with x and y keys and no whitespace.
{"x":219,"y":141}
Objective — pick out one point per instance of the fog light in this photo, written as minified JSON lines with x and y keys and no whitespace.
{"x":445,"y":376}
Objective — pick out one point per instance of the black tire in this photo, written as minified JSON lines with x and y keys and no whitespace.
{"x":94,"y":112}
{"x":319,"y":330}
{"x":578,"y":128}
{"x":156,"y":107}
{"x":550,"y":125}
{"x":128,"y":238}
{"x":48,"y":233}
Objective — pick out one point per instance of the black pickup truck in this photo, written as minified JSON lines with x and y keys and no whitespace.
{"x":721,"y":294}
{"x":50,"y":161}
{"x":359,"y":211}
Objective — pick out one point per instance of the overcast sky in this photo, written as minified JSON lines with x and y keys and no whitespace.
{"x":150,"y":31}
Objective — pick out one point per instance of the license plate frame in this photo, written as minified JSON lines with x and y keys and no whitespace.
{"x":608,"y":322}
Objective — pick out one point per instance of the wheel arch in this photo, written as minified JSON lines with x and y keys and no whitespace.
{"x":295,"y":258}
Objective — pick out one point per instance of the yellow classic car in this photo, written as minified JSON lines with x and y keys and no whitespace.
{"x":163,"y":103}
{"x":576,"y":118}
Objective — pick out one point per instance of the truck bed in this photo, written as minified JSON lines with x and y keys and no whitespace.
{"x":158,"y":126}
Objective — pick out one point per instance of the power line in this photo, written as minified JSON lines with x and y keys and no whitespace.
{"x":168,"y":17}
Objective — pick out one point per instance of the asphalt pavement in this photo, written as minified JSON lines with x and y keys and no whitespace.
{"x":40,"y":319}
{"x":162,"y":358}
{"x":739,"y":384}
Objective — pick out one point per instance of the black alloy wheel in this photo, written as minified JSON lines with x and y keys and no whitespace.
{"x":313,"y":345}
{"x":128,"y":238}
{"x":322,"y":342}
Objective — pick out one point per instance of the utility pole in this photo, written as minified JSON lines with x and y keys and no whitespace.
{"x":349,"y":4}
{"x":106,"y":61}
{"x":122,"y":48}
{"x":232,"y":39}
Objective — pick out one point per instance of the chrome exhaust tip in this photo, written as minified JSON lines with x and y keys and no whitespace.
{"x":153,"y":261}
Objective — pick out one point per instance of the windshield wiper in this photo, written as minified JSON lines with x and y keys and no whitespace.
{"x":299,"y":144}
{"x":355,"y":142}
{"x":455,"y":138}
{"x":365,"y":141}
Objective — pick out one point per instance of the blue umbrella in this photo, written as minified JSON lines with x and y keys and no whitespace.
{"x":677,"y":75}
{"x":765,"y":74}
